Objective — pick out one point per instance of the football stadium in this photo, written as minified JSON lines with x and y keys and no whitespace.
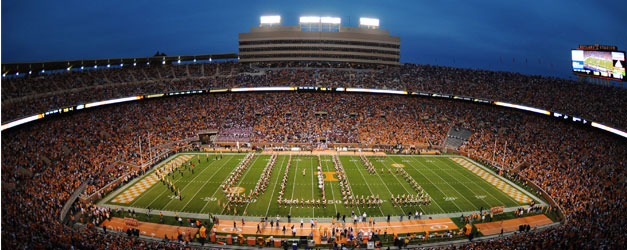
{"x":313,"y":134}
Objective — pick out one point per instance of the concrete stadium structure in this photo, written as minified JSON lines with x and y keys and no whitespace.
{"x":319,"y":41}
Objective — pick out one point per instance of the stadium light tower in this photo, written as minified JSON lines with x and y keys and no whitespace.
{"x":309,"y":23}
{"x":316,"y":23}
{"x":331,"y":20}
{"x":330,"y":23}
{"x":309,"y":19}
{"x":368,"y":23}
{"x":269,"y":21}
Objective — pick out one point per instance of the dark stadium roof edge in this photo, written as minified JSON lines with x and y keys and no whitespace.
{"x":24,"y":67}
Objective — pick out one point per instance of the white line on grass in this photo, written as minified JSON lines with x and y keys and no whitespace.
{"x":524,"y":191}
{"x":436,"y":186}
{"x":244,"y":176}
{"x":293,"y":185}
{"x":182,"y":189}
{"x":368,"y":185}
{"x":452,"y":176}
{"x":280,"y":173}
{"x":313,"y":192}
{"x":392,"y":194}
{"x":350,"y":185}
{"x":264,"y":168}
{"x":217,"y":189}
{"x":464,"y":197}
{"x":203,"y":186}
{"x":326,"y":164}
{"x":142,"y":196}
{"x":461,"y":168}
{"x":167,"y":191}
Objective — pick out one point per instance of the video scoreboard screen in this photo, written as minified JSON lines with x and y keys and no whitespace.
{"x":605,"y":64}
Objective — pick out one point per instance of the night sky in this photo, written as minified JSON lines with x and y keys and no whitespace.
{"x":533,"y":37}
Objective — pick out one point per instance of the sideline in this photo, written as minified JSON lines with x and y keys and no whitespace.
{"x":535,"y":198}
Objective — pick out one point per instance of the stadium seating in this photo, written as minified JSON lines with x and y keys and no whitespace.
{"x":22,"y":96}
{"x":456,"y":137}
{"x":42,"y":163}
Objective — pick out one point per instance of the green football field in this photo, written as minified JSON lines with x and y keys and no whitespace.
{"x":451,"y":187}
{"x":605,"y":64}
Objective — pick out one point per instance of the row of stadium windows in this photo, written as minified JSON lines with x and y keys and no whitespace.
{"x":371,"y":44}
{"x":321,"y":49}
{"x":320,"y":56}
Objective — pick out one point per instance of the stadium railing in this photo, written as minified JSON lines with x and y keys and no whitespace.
{"x":533,"y":185}
{"x":548,"y":198}
{"x":70,"y":201}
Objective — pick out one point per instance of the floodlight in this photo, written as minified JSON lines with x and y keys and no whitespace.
{"x":108,"y":65}
{"x":179,"y":61}
{"x":121,"y":64}
{"x":331,"y":20}
{"x":17,"y":73}
{"x":270,"y":19}
{"x":369,"y":21}
{"x":82,"y":67}
{"x":134,"y":64}
{"x":30,"y":72}
{"x":68,"y":68}
{"x":309,"y":19}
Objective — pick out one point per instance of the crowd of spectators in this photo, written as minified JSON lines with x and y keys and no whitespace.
{"x":594,"y":102}
{"x":44,"y":162}
{"x":234,"y":134}
{"x":582,"y":170}
{"x":23,"y":96}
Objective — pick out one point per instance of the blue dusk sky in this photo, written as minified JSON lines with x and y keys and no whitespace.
{"x":532,"y":37}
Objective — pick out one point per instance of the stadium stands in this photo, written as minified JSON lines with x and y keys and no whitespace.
{"x":44,"y":162}
{"x":38,"y":94}
{"x":456,"y":137}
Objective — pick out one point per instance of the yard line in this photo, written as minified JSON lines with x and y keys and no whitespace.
{"x":199,"y":174}
{"x":243,"y":176}
{"x":326,"y":164}
{"x":179,"y":181}
{"x":206,"y":182}
{"x":313,"y":192}
{"x":413,"y":158}
{"x":248,"y":204}
{"x":165,"y":192}
{"x":368,"y":185}
{"x":215,"y":192}
{"x":274,"y":188}
{"x":436,"y":186}
{"x":392,"y":194}
{"x":293,"y":185}
{"x":486,"y":182}
{"x":461,"y":170}
{"x":166,"y":162}
{"x":471,"y":190}
{"x":399,"y":182}
{"x":348,"y":182}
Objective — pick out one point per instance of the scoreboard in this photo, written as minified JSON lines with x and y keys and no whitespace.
{"x":609,"y":64}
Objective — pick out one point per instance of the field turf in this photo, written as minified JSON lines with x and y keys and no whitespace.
{"x":451,"y":187}
{"x":605,"y":64}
